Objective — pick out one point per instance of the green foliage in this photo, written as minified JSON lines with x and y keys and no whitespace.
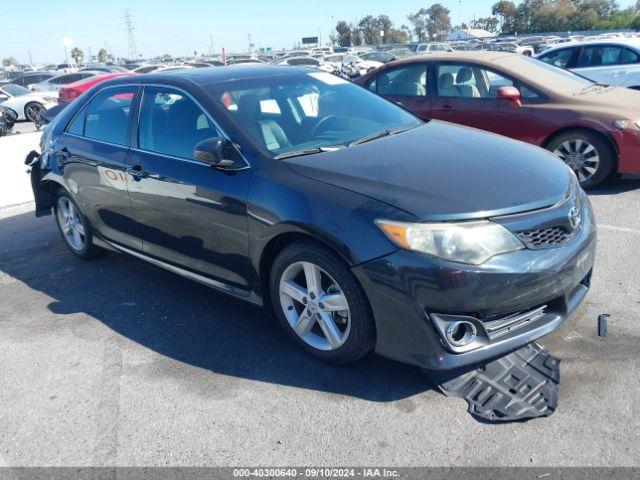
{"x":367,"y":31}
{"x":9,"y":62}
{"x":528,"y":16}
{"x":77,"y":55}
{"x":102,"y":55}
{"x":439,"y":19}
{"x":419,"y":21}
{"x":531,"y":16}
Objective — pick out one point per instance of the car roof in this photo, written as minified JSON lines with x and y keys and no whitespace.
{"x":622,"y":42}
{"x":211,"y":76}
{"x":480,"y":56}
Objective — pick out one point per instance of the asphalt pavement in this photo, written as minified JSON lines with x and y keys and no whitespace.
{"x":116,"y":362}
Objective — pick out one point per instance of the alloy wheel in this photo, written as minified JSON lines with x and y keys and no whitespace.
{"x":32,"y":111}
{"x":315,"y":306}
{"x":71,"y":224}
{"x":581,"y":156}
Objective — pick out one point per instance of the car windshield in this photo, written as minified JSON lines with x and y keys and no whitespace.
{"x":15,"y":90}
{"x":562,"y":80}
{"x":306,"y":113}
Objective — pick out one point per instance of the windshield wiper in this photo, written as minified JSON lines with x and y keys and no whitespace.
{"x":305,"y":151}
{"x":381,"y":134}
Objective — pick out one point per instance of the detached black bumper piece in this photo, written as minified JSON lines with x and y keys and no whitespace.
{"x":519,"y":386}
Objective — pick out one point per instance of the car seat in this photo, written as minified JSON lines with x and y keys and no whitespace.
{"x":464,"y":75}
{"x":267,"y":131}
{"x":446,"y":87}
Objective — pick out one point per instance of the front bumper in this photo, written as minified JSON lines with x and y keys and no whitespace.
{"x":628,"y":142}
{"x":406,"y":288}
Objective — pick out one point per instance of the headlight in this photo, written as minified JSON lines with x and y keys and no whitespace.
{"x":467,"y":242}
{"x":627,"y":124}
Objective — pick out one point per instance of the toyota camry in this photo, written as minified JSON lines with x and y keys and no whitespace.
{"x":363,"y":227}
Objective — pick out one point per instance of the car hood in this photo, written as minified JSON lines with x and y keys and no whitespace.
{"x":441,"y":171}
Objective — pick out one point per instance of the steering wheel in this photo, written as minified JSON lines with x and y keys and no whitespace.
{"x":322,"y":125}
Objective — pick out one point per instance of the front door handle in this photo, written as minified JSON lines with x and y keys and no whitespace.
{"x":136,"y":172}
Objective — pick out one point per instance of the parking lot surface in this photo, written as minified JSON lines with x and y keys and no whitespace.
{"x":116,"y":362}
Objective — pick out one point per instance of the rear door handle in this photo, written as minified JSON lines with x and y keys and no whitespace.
{"x":447,"y":108}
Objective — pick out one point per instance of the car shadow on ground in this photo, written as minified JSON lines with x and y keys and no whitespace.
{"x":615,"y":187}
{"x":178,"y":318}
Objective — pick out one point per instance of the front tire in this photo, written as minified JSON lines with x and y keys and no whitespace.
{"x":32,"y":110}
{"x":74,"y":227}
{"x":588,"y":154}
{"x":320,"y":304}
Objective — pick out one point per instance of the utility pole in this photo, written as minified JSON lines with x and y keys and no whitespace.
{"x":30,"y":58}
{"x":133,"y":51}
{"x":211,"y":44}
{"x":250,"y":44}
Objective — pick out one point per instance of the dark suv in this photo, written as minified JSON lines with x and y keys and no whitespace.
{"x":359,"y":224}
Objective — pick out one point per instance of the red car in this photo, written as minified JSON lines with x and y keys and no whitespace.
{"x":74,"y":90}
{"x":594,"y":128}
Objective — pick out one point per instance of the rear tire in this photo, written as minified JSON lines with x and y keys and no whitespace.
{"x":320,"y":304}
{"x":589,"y":155}
{"x":74,"y":227}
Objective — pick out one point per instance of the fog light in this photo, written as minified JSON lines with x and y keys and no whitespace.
{"x":460,"y":334}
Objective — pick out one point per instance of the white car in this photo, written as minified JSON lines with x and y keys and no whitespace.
{"x":353,"y":62}
{"x":322,"y":50}
{"x":422,"y":48}
{"x":25,"y":103}
{"x":309,"y":61}
{"x":612,"y":62}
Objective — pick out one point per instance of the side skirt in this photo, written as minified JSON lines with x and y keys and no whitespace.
{"x":246,"y":295}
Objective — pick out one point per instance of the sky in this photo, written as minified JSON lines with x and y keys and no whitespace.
{"x":182,"y":27}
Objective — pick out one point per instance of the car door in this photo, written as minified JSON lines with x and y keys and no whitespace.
{"x":189,"y":214}
{"x":466,"y":93}
{"x":405,"y":85}
{"x":601,"y":63}
{"x":92,"y":152}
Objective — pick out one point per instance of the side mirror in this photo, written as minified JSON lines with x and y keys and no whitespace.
{"x":512,"y":95}
{"x":212,"y":151}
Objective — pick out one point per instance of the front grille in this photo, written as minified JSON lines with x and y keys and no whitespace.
{"x":502,"y":326}
{"x":545,"y":237}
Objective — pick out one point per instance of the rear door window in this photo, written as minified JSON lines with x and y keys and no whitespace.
{"x":408,"y":81}
{"x":106,"y":118}
{"x":599,"y":56}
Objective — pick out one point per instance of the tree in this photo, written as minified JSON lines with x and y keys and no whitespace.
{"x":370,"y":30}
{"x":102,"y":55}
{"x":635,"y":24}
{"x":9,"y":62}
{"x":508,"y":11}
{"x":439,"y":19}
{"x":419,"y":22}
{"x":489,"y":24}
{"x":77,"y":54}
{"x":385,"y":25}
{"x":345,"y":34}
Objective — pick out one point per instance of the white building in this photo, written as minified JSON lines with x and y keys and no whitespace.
{"x":469,"y":34}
